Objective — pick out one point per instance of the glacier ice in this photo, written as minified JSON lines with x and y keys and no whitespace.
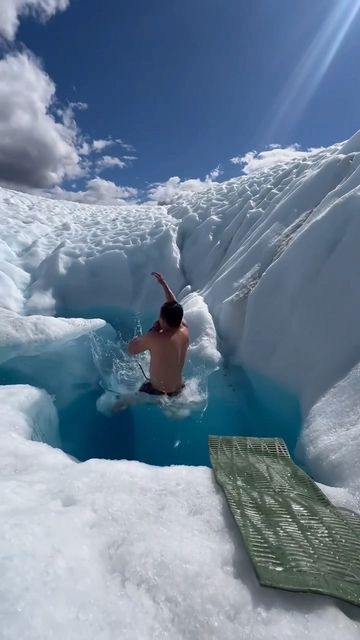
{"x":32,"y":335}
{"x":120,"y":549}
{"x":267,"y":267}
{"x":331,"y":435}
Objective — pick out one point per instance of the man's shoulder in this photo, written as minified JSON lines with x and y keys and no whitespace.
{"x":185,"y":328}
{"x":154,"y":338}
{"x":184,"y":331}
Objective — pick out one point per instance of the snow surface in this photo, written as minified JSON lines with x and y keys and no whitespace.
{"x":124,"y":550}
{"x":31,"y":335}
{"x":267,"y":266}
{"x":331,"y":435}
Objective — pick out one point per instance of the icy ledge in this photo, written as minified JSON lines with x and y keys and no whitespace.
{"x":123,"y":550}
{"x":31,"y":335}
{"x":329,"y":443}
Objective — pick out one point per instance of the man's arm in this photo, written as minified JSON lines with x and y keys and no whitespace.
{"x":139,"y":344}
{"x":170,"y":297}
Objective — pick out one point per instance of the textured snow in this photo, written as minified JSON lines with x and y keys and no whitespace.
{"x":331,"y":435}
{"x":31,"y":335}
{"x":267,"y":267}
{"x":124,"y":550}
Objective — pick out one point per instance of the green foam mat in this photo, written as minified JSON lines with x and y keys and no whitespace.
{"x":297,"y":540}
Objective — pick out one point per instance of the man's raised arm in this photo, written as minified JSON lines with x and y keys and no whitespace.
{"x":170,"y":297}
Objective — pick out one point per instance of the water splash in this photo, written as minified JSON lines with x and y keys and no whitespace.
{"x":121,"y":376}
{"x":119,"y":373}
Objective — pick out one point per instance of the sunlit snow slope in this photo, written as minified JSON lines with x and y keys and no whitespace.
{"x":267,"y":266}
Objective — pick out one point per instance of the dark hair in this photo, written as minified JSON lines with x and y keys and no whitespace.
{"x":172,"y":313}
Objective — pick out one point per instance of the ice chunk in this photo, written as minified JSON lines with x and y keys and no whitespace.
{"x":29,"y":413}
{"x":330,"y":440}
{"x":31,"y":335}
{"x":203,"y":340}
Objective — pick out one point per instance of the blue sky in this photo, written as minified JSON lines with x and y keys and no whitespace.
{"x":192,"y":84}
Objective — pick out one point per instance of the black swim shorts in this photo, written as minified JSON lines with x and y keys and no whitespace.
{"x":148,"y":388}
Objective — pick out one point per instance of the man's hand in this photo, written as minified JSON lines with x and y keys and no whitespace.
{"x":168,"y":293}
{"x":158,"y":277}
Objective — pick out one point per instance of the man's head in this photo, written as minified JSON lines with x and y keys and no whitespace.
{"x":171,"y":315}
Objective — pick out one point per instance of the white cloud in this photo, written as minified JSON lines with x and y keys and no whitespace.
{"x":98,"y":191}
{"x":275,"y":154}
{"x":11,"y":10}
{"x":40,"y":142}
{"x":85,"y":148}
{"x":38,"y":146}
{"x":110,"y":162}
{"x":174,"y":189}
{"x":215,"y":173}
{"x":67,"y":114}
{"x":97,"y":146}
{"x":100,"y":145}
{"x":127,"y":147}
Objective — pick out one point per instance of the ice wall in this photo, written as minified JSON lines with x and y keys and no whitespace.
{"x":279,"y":270}
{"x":330,"y":441}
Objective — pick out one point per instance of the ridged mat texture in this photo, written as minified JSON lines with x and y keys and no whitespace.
{"x":296,"y":539}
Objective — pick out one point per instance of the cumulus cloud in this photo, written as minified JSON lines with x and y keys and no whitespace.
{"x":39,"y":146}
{"x":175,"y":188}
{"x":11,"y":10}
{"x":40,"y":142}
{"x":101,"y":144}
{"x":110,"y":162}
{"x":215,"y":173}
{"x":127,"y":147}
{"x":98,"y":191}
{"x":275,"y":154}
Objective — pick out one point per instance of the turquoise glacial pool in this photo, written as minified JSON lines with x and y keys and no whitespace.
{"x":146,"y":432}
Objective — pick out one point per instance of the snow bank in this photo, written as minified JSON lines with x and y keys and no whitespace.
{"x":301,"y":328}
{"x":81,"y":256}
{"x":119,"y":549}
{"x":203,"y":347}
{"x":330,"y":441}
{"x":31,"y":335}
{"x":25,"y":412}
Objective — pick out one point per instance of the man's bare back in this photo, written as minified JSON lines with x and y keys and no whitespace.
{"x":167,"y":341}
{"x":168,"y":353}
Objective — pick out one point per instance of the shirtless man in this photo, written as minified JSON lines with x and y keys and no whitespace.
{"x":167,"y":341}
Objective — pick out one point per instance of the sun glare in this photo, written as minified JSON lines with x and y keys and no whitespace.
{"x":314,"y":64}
